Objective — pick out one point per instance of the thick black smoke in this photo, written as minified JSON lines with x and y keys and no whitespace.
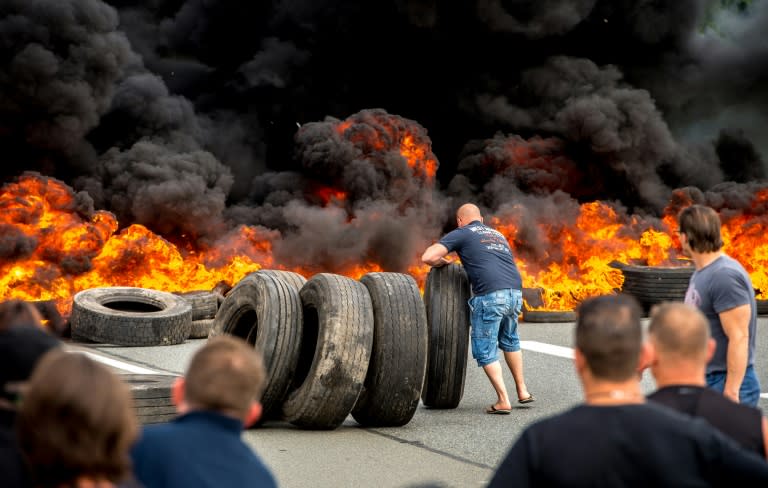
{"x":193,"y":117}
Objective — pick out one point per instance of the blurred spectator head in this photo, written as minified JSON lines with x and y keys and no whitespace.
{"x":609,"y":336}
{"x":76,"y":421}
{"x":678,"y":333}
{"x":226,"y":375}
{"x":22,"y":343}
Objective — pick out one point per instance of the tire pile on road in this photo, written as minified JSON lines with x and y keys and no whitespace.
{"x":333,"y":346}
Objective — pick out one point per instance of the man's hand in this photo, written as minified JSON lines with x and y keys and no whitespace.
{"x":435,"y":255}
{"x":732,"y":395}
{"x":443,"y":261}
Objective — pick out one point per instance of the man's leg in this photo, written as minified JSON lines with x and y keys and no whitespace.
{"x":515,"y":363}
{"x":494,"y":373}
{"x":509,"y":342}
{"x":484,"y":330}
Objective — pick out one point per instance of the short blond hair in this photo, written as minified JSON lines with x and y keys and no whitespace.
{"x":227,"y":375}
{"x":680,"y":330}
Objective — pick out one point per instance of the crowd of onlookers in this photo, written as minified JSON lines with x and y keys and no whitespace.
{"x":67,"y":420}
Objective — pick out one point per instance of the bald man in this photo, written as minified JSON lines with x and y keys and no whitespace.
{"x":496,"y":302}
{"x":680,"y":348}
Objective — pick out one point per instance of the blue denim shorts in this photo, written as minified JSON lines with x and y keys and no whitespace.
{"x":494,"y":324}
{"x":749,"y":393}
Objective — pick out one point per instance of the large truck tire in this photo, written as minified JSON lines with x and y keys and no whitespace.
{"x":128,"y":316}
{"x":446,"y":293}
{"x":266,"y":312}
{"x":293,"y":279}
{"x":335,"y":350}
{"x":392,"y":387}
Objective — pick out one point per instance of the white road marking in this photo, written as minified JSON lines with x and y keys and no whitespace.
{"x":763,"y":395}
{"x":116,"y":363}
{"x":551,"y":349}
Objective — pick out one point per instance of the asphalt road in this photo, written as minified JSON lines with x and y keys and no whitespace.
{"x":438,"y":448}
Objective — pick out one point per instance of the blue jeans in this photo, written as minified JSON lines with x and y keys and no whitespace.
{"x":494,"y":324}
{"x":749,"y":393}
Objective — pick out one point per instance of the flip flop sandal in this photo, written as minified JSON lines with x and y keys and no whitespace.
{"x":497,"y":411}
{"x":526,"y":400}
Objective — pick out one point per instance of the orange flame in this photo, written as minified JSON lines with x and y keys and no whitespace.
{"x":49,"y":251}
{"x":67,"y":252}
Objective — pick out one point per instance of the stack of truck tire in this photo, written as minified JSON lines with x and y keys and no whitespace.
{"x":332,"y":345}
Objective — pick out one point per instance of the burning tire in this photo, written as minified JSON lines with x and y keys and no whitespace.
{"x":151,"y":393}
{"x":652,"y":285}
{"x":266,"y":312}
{"x":335,"y":350}
{"x":762,"y":307}
{"x":446,"y":293}
{"x":129,"y":316}
{"x":395,"y":375}
{"x":548,"y":316}
{"x":204,"y":303}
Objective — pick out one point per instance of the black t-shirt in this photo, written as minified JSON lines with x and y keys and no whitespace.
{"x":486,"y":257}
{"x":643,"y":445}
{"x":742,"y":423}
{"x":13,"y":472}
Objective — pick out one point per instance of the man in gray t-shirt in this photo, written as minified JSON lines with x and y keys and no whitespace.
{"x":722,"y":289}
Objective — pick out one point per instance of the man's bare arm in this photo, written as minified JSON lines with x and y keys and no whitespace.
{"x":435,"y":255}
{"x":736,"y":326}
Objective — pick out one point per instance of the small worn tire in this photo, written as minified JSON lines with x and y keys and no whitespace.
{"x":168,"y":322}
{"x":200,"y":329}
{"x":152,"y":397}
{"x":335,"y":350}
{"x":392,"y":387}
{"x":204,"y":303}
{"x":446,"y":293}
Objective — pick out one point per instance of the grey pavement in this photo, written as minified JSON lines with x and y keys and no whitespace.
{"x":438,"y":448}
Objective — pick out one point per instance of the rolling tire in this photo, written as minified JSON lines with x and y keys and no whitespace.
{"x":152,"y":401}
{"x":129,"y":316}
{"x":204,"y":303}
{"x":266,"y":312}
{"x":335,"y":350}
{"x":446,"y":293}
{"x":392,"y":387}
{"x":200,"y":329}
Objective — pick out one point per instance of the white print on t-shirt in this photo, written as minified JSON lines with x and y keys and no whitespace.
{"x":492,"y":239}
{"x":692,"y":296}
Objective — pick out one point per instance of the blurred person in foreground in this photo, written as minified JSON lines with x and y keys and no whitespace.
{"x":615,"y":438}
{"x":722,"y":289}
{"x":681,"y":346}
{"x":23,"y":341}
{"x":217,"y":398}
{"x":496,"y":303}
{"x":76,"y":424}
